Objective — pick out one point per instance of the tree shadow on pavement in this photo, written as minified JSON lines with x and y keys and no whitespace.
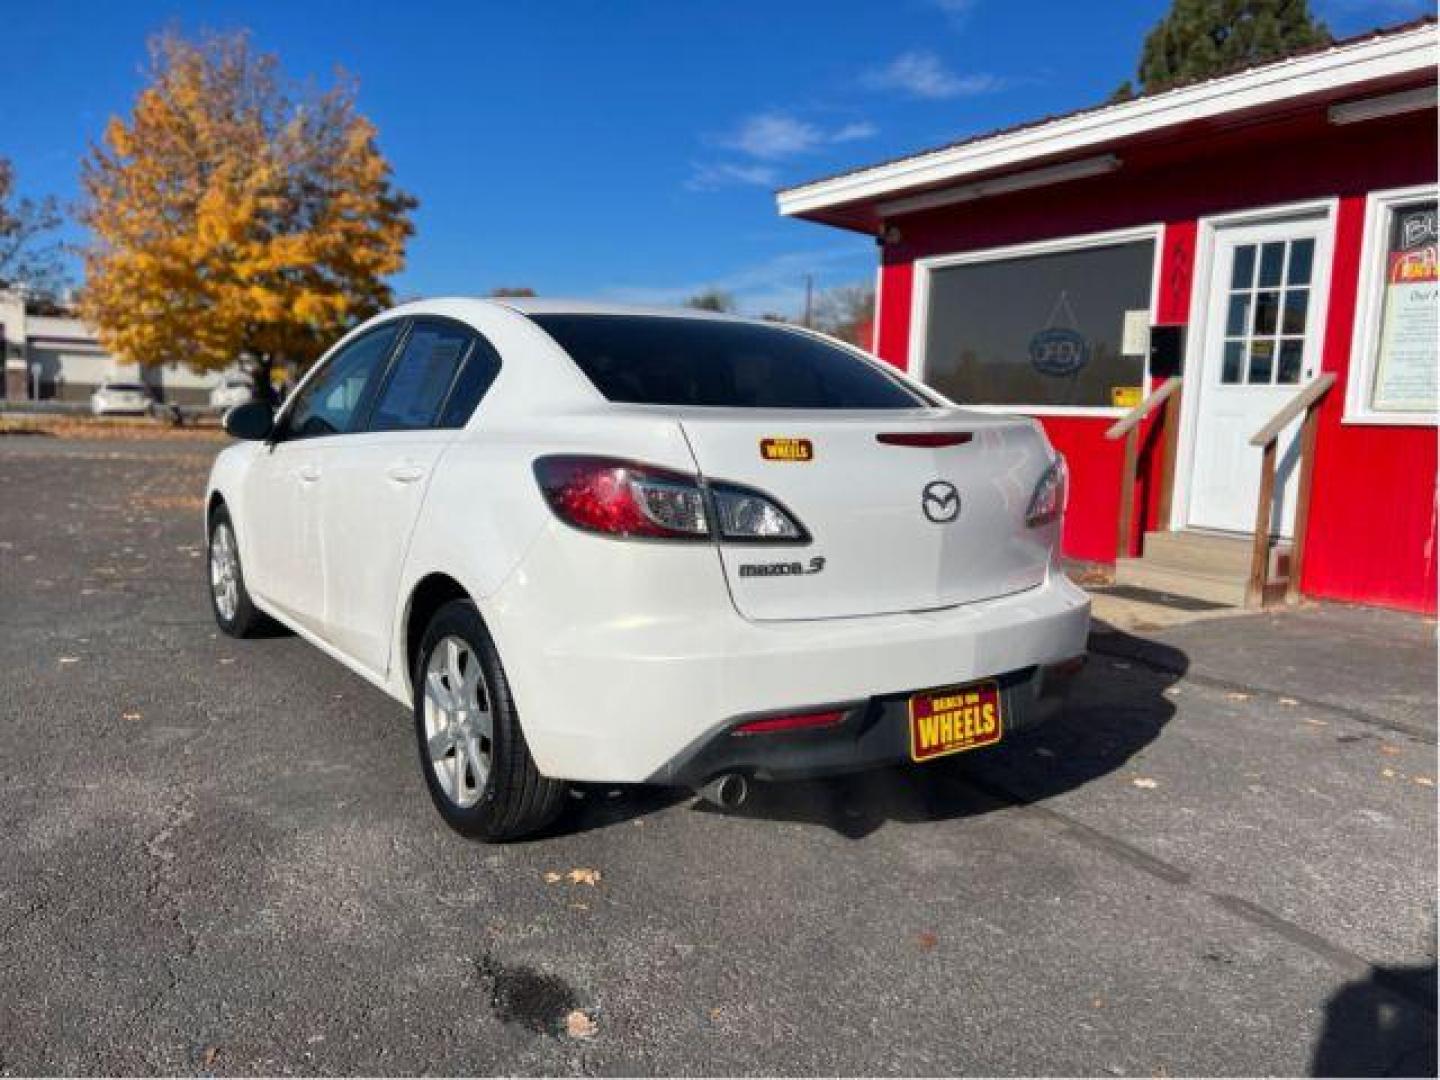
{"x":1117,"y":707}
{"x":1383,"y":1025}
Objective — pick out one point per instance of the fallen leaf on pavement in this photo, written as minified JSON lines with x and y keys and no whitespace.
{"x":551,"y":877}
{"x":1386,"y":748}
{"x":130,"y":716}
{"x":1288,"y":701}
{"x":208,"y":1058}
{"x":1236,"y":695}
{"x":1144,"y":782}
{"x":927,"y":940}
{"x":1387,"y":773}
{"x":580,"y":1025}
{"x":1317,"y":723}
{"x":1424,"y":781}
{"x":583,"y":876}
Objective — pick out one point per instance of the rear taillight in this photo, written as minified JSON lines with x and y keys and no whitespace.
{"x":622,"y":498}
{"x":746,"y":515}
{"x":1048,"y":501}
{"x":619,"y":498}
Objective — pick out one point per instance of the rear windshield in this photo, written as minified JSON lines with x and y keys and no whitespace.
{"x":662,"y":360}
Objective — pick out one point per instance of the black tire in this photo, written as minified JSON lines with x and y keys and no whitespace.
{"x":246,"y":620}
{"x":515,"y":800}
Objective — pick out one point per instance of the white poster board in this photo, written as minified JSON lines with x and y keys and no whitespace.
{"x":1406,"y":367}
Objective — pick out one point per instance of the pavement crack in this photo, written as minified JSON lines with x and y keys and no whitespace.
{"x":1122,"y":850}
{"x":1215,"y":682}
{"x":162,"y":897}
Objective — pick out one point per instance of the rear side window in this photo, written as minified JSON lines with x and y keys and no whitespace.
{"x":421,"y":377}
{"x":481,"y":367}
{"x":664,"y":360}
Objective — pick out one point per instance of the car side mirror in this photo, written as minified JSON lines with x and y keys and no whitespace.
{"x":254,"y":420}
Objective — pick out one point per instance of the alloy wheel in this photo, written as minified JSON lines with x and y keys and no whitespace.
{"x":459,"y":729}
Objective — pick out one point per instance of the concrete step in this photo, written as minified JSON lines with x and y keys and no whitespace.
{"x":1211,"y":553}
{"x":1221,"y":588}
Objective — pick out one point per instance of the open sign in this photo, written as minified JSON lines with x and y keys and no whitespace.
{"x":1059,"y":351}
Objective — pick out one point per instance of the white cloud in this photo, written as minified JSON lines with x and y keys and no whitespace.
{"x":774,"y":135}
{"x":776,"y":284}
{"x":711,"y":176}
{"x":957,"y":11}
{"x":861,"y":129}
{"x":921,"y":74}
{"x":771,"y":136}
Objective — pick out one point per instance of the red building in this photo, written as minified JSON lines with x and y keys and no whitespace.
{"x":1251,"y":234}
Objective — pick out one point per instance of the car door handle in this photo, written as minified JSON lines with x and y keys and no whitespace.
{"x":405,"y":473}
{"x":308,"y":474}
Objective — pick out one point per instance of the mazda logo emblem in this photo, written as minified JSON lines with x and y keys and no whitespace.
{"x":940,"y":501}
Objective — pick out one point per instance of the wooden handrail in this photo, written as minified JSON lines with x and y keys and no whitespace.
{"x":1157,"y":397}
{"x":1305,"y":401}
{"x":1310,"y":393}
{"x":1128,"y":428}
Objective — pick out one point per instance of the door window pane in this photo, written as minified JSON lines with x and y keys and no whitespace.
{"x":329,"y":403}
{"x":1243,"y":274}
{"x":421,"y":377}
{"x":1267,"y":307}
{"x":1272,"y":263}
{"x":1296,"y":304}
{"x":1262,"y":358}
{"x":1041,"y":330}
{"x":1239,"y":317}
{"x":1234,"y":353}
{"x":1292,"y":352}
{"x":1302,"y":255}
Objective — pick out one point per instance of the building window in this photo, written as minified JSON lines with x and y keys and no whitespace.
{"x":1392,"y":376}
{"x":1040,"y":328}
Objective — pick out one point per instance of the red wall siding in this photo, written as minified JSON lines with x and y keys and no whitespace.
{"x":1372,"y":517}
{"x":1364,"y":475}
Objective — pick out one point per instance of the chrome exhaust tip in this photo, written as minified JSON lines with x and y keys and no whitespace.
{"x":726,"y":791}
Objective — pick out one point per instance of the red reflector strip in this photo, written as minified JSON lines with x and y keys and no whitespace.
{"x":796,"y":722}
{"x":924,"y":438}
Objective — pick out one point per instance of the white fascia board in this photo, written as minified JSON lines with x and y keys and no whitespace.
{"x":1362,"y":62}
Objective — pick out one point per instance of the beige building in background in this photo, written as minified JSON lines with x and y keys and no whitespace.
{"x":61,"y":359}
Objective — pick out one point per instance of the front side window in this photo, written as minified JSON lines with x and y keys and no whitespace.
{"x":1045,"y":330}
{"x":672,"y":360}
{"x":421,"y":377}
{"x":329,"y":404}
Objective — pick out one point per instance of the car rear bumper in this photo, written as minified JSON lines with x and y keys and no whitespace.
{"x":627,"y":673}
{"x":872,"y":734}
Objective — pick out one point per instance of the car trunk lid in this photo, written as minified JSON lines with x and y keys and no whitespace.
{"x":907,"y":510}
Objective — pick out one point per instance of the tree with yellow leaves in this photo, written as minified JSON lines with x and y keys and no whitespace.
{"x":232,"y":213}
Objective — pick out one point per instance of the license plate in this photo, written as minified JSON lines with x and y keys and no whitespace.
{"x":953,"y":719}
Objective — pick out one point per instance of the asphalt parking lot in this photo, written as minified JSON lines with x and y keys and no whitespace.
{"x":220,"y":857}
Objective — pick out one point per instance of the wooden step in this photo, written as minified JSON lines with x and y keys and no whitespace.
{"x":1211,"y":553}
{"x":1220,"y":588}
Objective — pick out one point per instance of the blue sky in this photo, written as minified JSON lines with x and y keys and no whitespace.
{"x":611,"y":149}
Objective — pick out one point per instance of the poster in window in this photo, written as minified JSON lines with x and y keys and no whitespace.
{"x":1405,"y":374}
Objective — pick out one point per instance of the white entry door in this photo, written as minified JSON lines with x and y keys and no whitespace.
{"x":1261,"y":342}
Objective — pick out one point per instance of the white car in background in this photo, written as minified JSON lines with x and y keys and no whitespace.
{"x":230,"y":391}
{"x":600,"y":544}
{"x":121,"y":399}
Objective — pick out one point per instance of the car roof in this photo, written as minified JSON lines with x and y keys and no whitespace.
{"x":535,"y":305}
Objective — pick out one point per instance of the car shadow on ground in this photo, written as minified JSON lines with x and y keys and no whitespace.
{"x":1368,"y":1032}
{"x":1117,"y":707}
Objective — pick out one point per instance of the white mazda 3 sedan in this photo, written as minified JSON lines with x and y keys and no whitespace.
{"x":588,"y":543}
